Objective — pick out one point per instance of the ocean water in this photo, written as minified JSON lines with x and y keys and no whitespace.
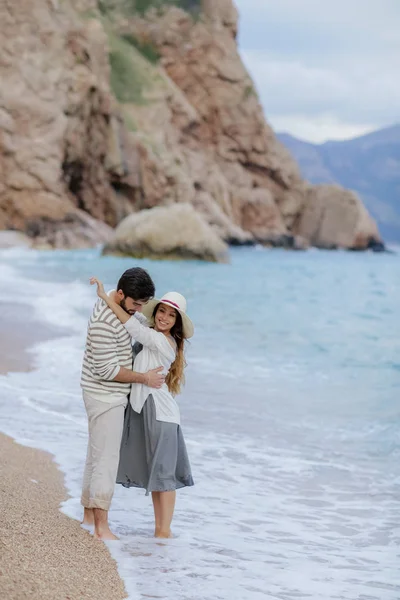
{"x":291,"y":415}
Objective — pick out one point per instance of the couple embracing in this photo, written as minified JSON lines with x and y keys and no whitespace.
{"x":132,"y":370}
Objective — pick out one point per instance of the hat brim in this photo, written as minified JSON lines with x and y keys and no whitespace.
{"x":148,"y":309}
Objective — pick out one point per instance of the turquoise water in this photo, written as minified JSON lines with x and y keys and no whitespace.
{"x":291,"y":414}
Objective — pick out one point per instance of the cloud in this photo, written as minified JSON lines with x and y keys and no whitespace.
{"x":320,"y":128}
{"x":331,"y":69}
{"x":357,"y":93}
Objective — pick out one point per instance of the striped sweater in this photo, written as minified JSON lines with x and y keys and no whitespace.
{"x":108,"y":347}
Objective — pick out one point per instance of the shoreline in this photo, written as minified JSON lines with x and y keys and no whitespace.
{"x":19,"y":334}
{"x":45,"y":555}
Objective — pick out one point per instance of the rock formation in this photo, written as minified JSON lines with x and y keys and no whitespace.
{"x":107,"y":110}
{"x":172,"y":232}
{"x":336,"y":218}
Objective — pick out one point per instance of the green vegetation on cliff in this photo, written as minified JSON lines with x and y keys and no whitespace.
{"x":148,"y":49}
{"x":131,"y":74}
{"x":142,"y":6}
{"x":125,"y":81}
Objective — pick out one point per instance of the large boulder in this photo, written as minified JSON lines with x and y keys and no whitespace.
{"x":336,"y":218}
{"x":171,"y":232}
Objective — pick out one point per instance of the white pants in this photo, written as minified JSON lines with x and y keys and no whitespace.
{"x":106,"y":421}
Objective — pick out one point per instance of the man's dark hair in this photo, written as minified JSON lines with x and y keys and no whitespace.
{"x":137,"y":284}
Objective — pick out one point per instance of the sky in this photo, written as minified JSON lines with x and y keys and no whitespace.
{"x":323,"y":69}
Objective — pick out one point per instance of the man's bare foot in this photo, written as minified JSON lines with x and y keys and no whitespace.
{"x":88,"y":517}
{"x":101,"y":526}
{"x":163,"y":534}
{"x":105,"y":534}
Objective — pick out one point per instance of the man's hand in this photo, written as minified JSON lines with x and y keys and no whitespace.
{"x":154,"y":378}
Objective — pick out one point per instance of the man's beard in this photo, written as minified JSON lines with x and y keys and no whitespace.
{"x":123,"y":304}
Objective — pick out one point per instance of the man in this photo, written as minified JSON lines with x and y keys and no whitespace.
{"x":106,"y":382}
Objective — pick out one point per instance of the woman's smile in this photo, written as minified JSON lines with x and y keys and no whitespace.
{"x":165,"y":318}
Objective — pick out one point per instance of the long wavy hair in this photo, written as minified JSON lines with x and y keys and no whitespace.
{"x":176,"y":377}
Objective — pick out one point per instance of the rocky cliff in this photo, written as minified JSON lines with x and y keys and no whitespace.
{"x":109,"y":107}
{"x":369,"y":164}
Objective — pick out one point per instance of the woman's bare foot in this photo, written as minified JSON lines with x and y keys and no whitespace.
{"x":88,"y":517}
{"x":163,"y":534}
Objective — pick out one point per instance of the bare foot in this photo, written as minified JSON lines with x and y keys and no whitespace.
{"x":105,"y":534}
{"x":88,"y":517}
{"x":163,"y":534}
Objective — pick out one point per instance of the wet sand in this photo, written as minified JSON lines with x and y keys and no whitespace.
{"x":18,"y":331}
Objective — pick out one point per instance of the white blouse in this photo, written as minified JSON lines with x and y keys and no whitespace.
{"x":157,"y":352}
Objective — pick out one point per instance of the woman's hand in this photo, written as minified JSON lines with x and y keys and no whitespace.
{"x":100,"y":287}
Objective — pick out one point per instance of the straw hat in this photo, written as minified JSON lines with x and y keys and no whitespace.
{"x":178,"y":302}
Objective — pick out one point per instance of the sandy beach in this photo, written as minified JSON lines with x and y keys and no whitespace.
{"x":44,"y":555}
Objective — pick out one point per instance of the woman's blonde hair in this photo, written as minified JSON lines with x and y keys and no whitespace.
{"x":176,"y":377}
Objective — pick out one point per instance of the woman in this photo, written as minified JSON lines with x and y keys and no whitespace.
{"x":153,"y":452}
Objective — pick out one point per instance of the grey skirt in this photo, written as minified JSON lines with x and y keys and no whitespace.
{"x":153,"y":453}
